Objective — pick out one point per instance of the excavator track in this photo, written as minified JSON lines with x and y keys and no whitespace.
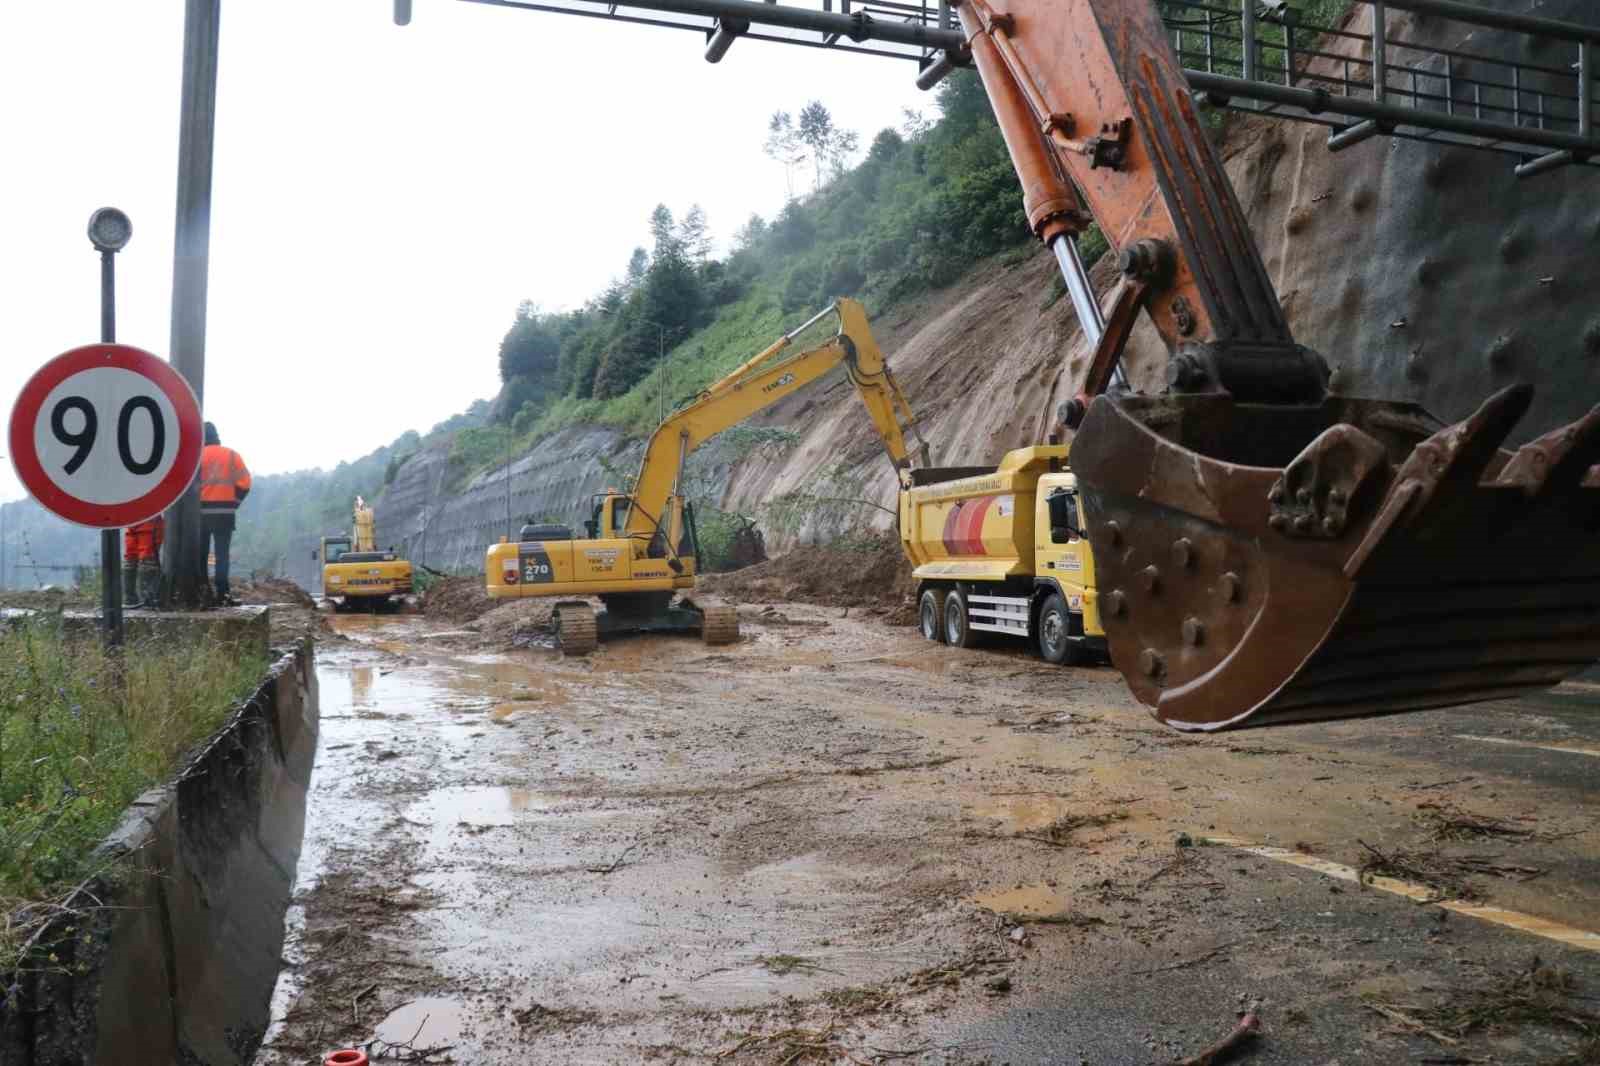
{"x":719,"y":625}
{"x":576,"y":633}
{"x":1347,"y":559}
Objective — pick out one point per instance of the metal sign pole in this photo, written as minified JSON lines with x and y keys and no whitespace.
{"x":110,"y":539}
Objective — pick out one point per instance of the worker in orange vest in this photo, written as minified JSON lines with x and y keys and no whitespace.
{"x":224,"y":483}
{"x":141,"y":562}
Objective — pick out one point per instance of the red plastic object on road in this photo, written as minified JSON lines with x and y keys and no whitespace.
{"x":346,"y":1058}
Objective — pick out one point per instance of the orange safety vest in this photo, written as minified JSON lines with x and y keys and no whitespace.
{"x":143,"y":541}
{"x":224,"y":480}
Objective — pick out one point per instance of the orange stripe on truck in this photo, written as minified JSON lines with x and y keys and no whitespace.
{"x":963,"y":526}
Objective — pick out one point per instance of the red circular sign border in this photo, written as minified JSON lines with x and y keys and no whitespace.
{"x":98,"y":515}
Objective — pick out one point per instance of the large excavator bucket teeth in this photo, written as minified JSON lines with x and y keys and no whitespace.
{"x":1257,"y":565}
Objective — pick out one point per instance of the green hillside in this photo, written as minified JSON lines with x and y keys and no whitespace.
{"x":923,"y":204}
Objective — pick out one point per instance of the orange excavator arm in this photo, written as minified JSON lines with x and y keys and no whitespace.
{"x":1099,"y":122}
{"x":1268,"y":552}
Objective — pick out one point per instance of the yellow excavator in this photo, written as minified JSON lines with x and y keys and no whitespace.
{"x":640,"y":550}
{"x":355,"y":573}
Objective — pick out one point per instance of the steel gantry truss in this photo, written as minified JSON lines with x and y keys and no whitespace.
{"x":1261,"y":56}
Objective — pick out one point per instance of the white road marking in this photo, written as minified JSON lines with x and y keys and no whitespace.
{"x":1592,"y":752}
{"x":1527,"y":923}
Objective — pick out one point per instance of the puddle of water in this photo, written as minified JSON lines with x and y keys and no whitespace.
{"x":449,"y":807}
{"x":1029,"y":899}
{"x":1022,"y":813}
{"x":423,"y":1023}
{"x":361,"y":686}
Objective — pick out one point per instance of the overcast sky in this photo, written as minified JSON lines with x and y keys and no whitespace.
{"x":384,"y":196}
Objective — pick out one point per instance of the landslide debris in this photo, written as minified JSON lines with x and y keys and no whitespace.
{"x":871,"y":572}
{"x":273,"y":590}
{"x":458,"y":599}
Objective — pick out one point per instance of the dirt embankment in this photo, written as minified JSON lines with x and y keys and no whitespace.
{"x":273,"y":590}
{"x":871,"y":573}
{"x":456,"y":599}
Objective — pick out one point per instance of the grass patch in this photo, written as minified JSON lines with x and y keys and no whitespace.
{"x":78,"y":743}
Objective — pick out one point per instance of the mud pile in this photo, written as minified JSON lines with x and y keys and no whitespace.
{"x":868,"y":573}
{"x":459,"y":599}
{"x":272,"y":590}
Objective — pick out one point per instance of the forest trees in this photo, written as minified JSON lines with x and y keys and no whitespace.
{"x":604,"y":349}
{"x":814,"y":136}
{"x":923,"y":204}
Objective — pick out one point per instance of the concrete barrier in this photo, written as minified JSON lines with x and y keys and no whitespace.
{"x":171,"y":956}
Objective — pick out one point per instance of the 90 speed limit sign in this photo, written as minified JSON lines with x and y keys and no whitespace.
{"x":106,"y":435}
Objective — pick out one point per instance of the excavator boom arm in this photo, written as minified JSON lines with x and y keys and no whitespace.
{"x":1096,"y":114}
{"x":761,"y":382}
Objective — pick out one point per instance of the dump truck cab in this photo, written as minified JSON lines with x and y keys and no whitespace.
{"x":1063,"y":564}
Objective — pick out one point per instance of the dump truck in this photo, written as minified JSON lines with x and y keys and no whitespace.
{"x":355,"y":573}
{"x":640,"y":551}
{"x":1002,"y":550}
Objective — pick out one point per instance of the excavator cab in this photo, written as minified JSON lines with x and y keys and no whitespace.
{"x":608,"y":515}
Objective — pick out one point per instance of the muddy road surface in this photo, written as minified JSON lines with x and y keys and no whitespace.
{"x":835,"y":843}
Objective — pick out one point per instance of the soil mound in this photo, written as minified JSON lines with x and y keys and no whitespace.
{"x":459,"y":599}
{"x":515,"y":622}
{"x":272,"y":590}
{"x":869,"y":573}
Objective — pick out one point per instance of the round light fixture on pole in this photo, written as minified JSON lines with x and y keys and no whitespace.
{"x":109,"y":229}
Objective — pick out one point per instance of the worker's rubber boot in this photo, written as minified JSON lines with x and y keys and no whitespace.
{"x":150,"y":583}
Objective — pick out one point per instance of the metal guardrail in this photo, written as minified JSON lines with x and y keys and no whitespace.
{"x":1264,"y":58}
{"x":1258,"y":56}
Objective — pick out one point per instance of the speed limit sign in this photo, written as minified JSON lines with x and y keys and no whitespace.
{"x":106,"y":435}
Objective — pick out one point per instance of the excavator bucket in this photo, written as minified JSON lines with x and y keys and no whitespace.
{"x":1258,"y":565}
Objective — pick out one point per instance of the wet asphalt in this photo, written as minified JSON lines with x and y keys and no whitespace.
{"x":677,"y":854}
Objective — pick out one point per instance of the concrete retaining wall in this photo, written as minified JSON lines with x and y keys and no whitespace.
{"x":174,"y":954}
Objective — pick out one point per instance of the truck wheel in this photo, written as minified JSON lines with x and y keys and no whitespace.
{"x":930,"y":615}
{"x":957,"y":632}
{"x":1055,"y":632}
